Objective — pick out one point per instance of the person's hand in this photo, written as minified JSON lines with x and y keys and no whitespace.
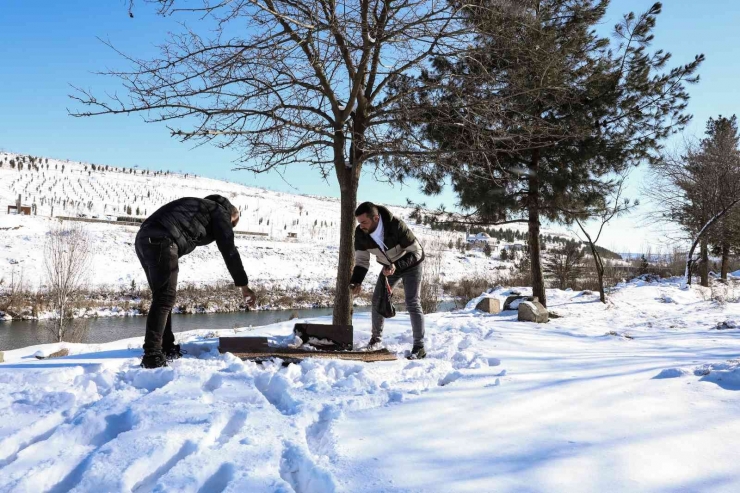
{"x":355,"y":289}
{"x":388,"y":271}
{"x":249,"y":296}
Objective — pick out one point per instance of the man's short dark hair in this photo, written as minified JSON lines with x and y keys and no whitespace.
{"x":366,"y":208}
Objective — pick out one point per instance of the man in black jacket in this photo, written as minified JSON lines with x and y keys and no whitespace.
{"x":172,"y":231}
{"x":387,"y":237}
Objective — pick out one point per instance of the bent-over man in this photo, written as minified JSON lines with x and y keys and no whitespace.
{"x":395,"y":247}
{"x":172,"y":231}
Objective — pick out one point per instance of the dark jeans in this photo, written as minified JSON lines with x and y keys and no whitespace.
{"x":158,"y":257}
{"x":412,"y":290}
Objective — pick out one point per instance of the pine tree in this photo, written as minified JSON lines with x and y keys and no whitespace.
{"x":504,"y":254}
{"x":564,"y":264}
{"x":644,"y":266}
{"x":487,"y":249}
{"x":541,"y":112}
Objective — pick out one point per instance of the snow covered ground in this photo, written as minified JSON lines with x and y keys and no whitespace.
{"x":498,"y":406}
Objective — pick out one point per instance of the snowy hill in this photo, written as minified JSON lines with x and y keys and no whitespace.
{"x":299,"y":247}
{"x":75,"y":189}
{"x":498,"y":406}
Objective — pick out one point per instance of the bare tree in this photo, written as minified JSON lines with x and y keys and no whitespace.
{"x":431,"y":281}
{"x":289,"y":83}
{"x":12,"y":301}
{"x":603,"y":213}
{"x":67,"y":261}
{"x":564,"y":263}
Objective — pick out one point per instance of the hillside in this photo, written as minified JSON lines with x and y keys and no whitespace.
{"x":298,"y":246}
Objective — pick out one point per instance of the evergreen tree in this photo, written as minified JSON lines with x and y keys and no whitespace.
{"x":644,"y":266}
{"x":487,"y":249}
{"x":534,"y":120}
{"x":564,"y":264}
{"x":504,"y":254}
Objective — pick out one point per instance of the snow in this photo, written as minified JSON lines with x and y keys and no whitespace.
{"x":498,"y":405}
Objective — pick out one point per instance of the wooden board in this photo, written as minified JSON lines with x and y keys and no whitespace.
{"x":341,"y":335}
{"x":242,"y":344}
{"x":295,"y":354}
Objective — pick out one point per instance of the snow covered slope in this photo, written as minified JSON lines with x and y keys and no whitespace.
{"x":308,"y":261}
{"x":498,"y":406}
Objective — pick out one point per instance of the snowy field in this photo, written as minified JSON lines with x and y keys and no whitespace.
{"x":498,"y":406}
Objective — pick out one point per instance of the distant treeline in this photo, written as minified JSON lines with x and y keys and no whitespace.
{"x":507,"y":235}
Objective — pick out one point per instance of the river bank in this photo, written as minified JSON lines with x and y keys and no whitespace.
{"x":191,"y":299}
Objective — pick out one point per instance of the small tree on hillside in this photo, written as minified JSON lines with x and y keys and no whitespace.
{"x":504,"y":254}
{"x":644,"y":266}
{"x":67,"y":259}
{"x":564,"y":264}
{"x":487,"y":250}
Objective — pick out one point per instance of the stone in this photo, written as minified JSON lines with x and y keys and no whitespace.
{"x":489,"y":305}
{"x":59,"y":354}
{"x":532,"y":311}
{"x":512,"y":298}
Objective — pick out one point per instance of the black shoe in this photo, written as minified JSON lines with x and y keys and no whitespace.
{"x":153,"y":359}
{"x":174,"y":352}
{"x":417,"y":352}
{"x":374,"y":344}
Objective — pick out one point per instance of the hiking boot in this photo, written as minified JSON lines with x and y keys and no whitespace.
{"x":153,"y":359}
{"x":417,"y":352}
{"x":174,"y":352}
{"x":374,"y":344}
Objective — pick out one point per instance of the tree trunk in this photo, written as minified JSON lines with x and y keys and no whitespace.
{"x":704,"y":266}
{"x":538,"y":281}
{"x":700,"y":236}
{"x":725,"y":260}
{"x":349,"y":179}
{"x":599,"y":271}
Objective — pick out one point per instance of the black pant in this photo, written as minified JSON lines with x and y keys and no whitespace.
{"x":158,"y":256}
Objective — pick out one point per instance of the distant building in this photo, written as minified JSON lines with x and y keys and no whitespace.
{"x":515,"y":247}
{"x":481,"y":239}
{"x":25,"y":210}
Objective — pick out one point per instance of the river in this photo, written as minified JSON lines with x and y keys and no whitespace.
{"x":22,"y":333}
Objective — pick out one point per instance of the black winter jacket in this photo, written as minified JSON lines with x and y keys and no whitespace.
{"x":192,"y":222}
{"x":404,"y":250}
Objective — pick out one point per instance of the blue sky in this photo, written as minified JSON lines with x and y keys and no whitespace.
{"x":48,"y":45}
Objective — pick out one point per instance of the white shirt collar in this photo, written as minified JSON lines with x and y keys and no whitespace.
{"x":378,"y":236}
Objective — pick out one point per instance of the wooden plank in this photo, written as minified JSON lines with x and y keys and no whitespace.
{"x":242,"y":344}
{"x":341,"y":335}
{"x":295,"y":354}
